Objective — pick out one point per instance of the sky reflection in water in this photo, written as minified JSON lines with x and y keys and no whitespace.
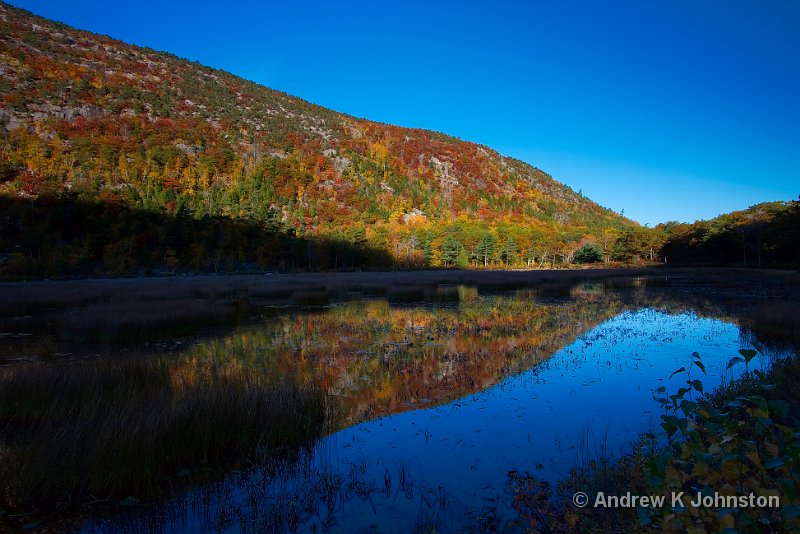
{"x":595,"y":393}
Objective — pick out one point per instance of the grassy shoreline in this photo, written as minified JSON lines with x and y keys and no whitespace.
{"x":134,"y":429}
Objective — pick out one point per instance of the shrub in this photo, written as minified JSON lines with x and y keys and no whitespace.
{"x":589,"y":253}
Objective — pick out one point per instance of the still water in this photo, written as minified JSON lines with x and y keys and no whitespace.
{"x":439,"y":402}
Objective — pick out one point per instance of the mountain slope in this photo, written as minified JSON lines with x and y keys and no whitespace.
{"x":104,"y":120}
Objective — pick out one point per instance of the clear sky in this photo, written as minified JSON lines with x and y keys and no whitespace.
{"x":674,"y":110}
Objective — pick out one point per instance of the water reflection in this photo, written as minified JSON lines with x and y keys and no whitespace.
{"x":377,"y":358}
{"x":438,"y":403}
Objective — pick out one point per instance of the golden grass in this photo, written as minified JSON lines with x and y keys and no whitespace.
{"x":109,"y":429}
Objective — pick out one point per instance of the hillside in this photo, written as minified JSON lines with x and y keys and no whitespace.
{"x":764,"y":235}
{"x":128,"y":134}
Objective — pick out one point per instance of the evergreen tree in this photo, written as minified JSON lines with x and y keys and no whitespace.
{"x":451,"y":250}
{"x":588,"y":253}
{"x":485,"y":248}
{"x":508,"y":253}
{"x":427,"y":248}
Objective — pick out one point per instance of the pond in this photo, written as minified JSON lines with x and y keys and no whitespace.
{"x":437,"y":402}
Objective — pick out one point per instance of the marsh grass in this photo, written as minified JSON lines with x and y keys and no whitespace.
{"x":621,"y":283}
{"x":373,"y":290}
{"x":554,"y":289}
{"x":312,"y":297}
{"x":110,"y":429}
{"x":443,"y":293}
{"x":43,"y":298}
{"x":775,"y":322}
{"x":147,"y":319}
{"x":406,"y":293}
{"x":303,"y":496}
{"x":587,"y":289}
{"x":467,"y":293}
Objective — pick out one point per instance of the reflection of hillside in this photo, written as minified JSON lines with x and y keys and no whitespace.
{"x":378,"y":359}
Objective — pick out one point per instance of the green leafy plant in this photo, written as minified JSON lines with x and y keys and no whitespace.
{"x":732,"y":446}
{"x":737,"y":441}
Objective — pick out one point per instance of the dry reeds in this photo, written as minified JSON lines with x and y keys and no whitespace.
{"x":146,"y":319}
{"x":775,"y":322}
{"x":554,"y":289}
{"x":105,"y":429}
{"x":312,"y":297}
{"x":406,"y":293}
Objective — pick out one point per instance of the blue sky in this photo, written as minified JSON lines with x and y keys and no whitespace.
{"x":675,"y":110}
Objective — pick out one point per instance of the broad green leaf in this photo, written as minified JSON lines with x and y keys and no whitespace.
{"x":734,"y":361}
{"x":698,"y":385}
{"x":681,"y":370}
{"x":748,"y":354}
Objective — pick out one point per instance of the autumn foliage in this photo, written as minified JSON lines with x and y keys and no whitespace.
{"x":92,"y":119}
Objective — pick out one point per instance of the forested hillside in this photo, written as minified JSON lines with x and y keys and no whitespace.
{"x":125,"y":141}
{"x":766,"y":234}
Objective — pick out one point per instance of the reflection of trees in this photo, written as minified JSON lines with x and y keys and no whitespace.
{"x":379,"y":359}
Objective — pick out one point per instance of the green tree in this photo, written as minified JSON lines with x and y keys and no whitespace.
{"x":427,"y":248}
{"x":508,"y":252}
{"x":485,"y":249}
{"x":588,"y":253}
{"x":451,"y":250}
